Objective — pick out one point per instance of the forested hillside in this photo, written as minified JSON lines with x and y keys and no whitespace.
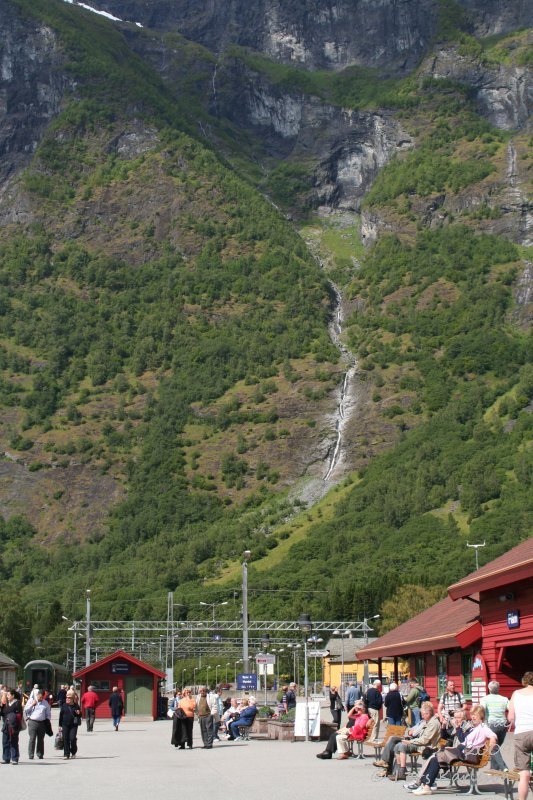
{"x":166,"y":370}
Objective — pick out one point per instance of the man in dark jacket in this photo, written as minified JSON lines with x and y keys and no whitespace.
{"x":374,"y":702}
{"x":116,"y":705}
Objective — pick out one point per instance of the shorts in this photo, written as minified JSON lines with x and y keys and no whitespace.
{"x":523,"y":747}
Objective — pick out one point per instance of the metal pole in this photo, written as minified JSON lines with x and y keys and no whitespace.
{"x":88,"y":639}
{"x":75,"y":655}
{"x":365,"y":663}
{"x":306,"y":691}
{"x":245,"y":655}
{"x":342,"y":671}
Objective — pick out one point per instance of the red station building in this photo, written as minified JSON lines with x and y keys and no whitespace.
{"x":483,"y":630}
{"x":138,"y":684}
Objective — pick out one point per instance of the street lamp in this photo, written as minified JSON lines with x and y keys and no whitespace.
{"x":207,"y":675}
{"x":228,"y":663}
{"x":183,"y":671}
{"x":343,"y":683}
{"x":245,"y":658}
{"x":365,"y":665}
{"x":213,"y":606}
{"x":306,"y":627}
{"x":195,"y":670}
{"x":295,"y":671}
{"x":239,"y":661}
{"x":265,"y":644}
{"x":314,"y":640}
{"x":216,"y":675}
{"x":88,"y":639}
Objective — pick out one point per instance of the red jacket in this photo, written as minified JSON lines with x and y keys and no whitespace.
{"x":89,"y":700}
{"x":358,"y":729}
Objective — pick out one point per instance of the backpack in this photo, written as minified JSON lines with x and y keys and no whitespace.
{"x":423,"y":696}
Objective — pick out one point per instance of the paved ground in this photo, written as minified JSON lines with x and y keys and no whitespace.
{"x":138,"y":763}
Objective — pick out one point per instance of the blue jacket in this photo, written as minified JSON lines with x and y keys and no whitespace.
{"x":247,"y":716}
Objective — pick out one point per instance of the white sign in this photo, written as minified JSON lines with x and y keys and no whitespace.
{"x":265,"y":659}
{"x":318,"y":653}
{"x":314,"y":719}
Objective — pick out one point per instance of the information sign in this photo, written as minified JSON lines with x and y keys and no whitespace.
{"x":247,"y":681}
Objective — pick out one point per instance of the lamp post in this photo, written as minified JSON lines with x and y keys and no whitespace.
{"x":365,"y":664}
{"x":195,"y":670}
{"x":306,"y":627}
{"x":213,"y":606}
{"x":342,"y":681}
{"x":245,"y":656}
{"x":228,"y":663}
{"x":88,"y":639}
{"x":314,"y":640}
{"x":239,"y":661}
{"x":207,"y":675}
{"x":265,"y":644}
{"x":183,"y":671}
{"x":216,"y":675}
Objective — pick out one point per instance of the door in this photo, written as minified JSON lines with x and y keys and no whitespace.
{"x":139,"y":695}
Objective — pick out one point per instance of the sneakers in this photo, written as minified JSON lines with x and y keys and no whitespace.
{"x":410,"y":787}
{"x":422,"y":789}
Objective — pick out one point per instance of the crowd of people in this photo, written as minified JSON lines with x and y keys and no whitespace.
{"x":216,"y":717}
{"x":444,"y":733}
{"x":34,"y":713}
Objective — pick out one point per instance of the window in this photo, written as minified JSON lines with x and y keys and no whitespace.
{"x":442,"y":669}
{"x":467,"y":674}
{"x":420,"y":669}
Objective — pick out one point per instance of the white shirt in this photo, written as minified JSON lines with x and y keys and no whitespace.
{"x":523,"y":708}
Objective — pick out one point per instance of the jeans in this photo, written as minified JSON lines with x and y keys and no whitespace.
{"x":496,"y":758}
{"x":10,"y":746}
{"x":415,"y":716}
{"x":116,"y":721}
{"x":234,"y":728}
{"x":393,"y":721}
{"x":36,"y":731}
{"x":90,"y":714}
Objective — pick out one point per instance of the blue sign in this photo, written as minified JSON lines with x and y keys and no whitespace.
{"x":513,"y":619}
{"x":247,"y":681}
{"x":120,"y":667}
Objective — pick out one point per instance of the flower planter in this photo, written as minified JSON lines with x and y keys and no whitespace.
{"x":284,"y":731}
{"x":260,"y":726}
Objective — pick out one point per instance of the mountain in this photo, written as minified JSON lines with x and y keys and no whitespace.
{"x":185,"y":210}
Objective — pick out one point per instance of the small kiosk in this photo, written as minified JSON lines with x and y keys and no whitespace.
{"x":137,"y":682}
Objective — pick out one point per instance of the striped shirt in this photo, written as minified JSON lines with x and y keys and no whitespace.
{"x":495,"y":705}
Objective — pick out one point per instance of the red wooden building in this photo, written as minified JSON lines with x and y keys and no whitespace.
{"x":486,"y":622}
{"x":137,"y":682}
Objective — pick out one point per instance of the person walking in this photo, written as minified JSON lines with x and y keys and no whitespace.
{"x":374,"y":703}
{"x":116,"y":704}
{"x":38,"y":712}
{"x":394,"y":706}
{"x":187,"y":704}
{"x":521,"y":714}
{"x":69,"y":721}
{"x":205,"y":718}
{"x":353,"y":694}
{"x":11,"y":711}
{"x":89,"y":701}
{"x":413,"y":702}
{"x":336,"y":706}
{"x":496,"y":706}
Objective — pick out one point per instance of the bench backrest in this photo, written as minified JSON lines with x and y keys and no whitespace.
{"x":394,"y":730}
{"x":369,"y":728}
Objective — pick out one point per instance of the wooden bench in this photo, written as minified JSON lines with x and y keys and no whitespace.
{"x":413,"y":768}
{"x":472,"y":770}
{"x":391,"y":730}
{"x":509,"y":779}
{"x":360,"y":751}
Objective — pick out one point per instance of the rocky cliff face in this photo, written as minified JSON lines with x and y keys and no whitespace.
{"x":503,"y":93}
{"x":32,"y":85}
{"x":325,"y":34}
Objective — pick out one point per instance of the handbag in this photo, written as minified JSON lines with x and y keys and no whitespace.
{"x":58,"y":741}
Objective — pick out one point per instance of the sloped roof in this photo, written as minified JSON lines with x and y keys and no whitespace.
{"x":515,"y":565}
{"x":125,"y":657}
{"x":351,"y":647}
{"x":5,"y":661}
{"x":446,"y":624}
